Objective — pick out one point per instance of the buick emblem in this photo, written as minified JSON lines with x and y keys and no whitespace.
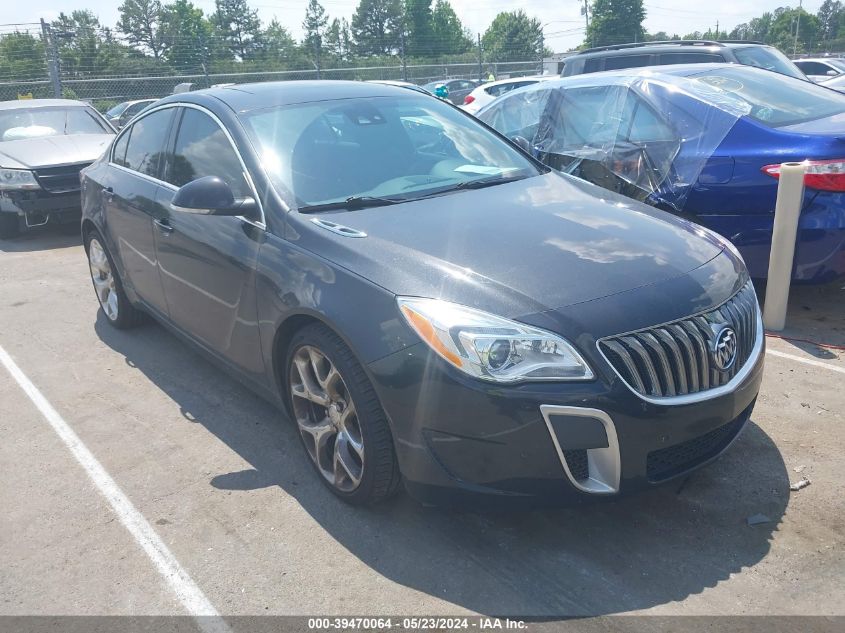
{"x":724,"y":349}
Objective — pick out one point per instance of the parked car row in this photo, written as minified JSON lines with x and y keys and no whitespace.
{"x":430,"y":305}
{"x":703,"y":141}
{"x":44,"y":143}
{"x":527,"y":306}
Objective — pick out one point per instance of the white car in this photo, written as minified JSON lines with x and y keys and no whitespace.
{"x":485,"y":93}
{"x":821,"y":69}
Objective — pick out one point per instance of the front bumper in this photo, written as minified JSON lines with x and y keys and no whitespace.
{"x":459,"y":440}
{"x":39,"y":205}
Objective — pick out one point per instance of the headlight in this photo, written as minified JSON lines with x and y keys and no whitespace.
{"x":491,"y":347}
{"x":17,"y":179}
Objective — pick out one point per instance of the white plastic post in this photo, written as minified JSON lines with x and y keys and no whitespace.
{"x":787,"y":211}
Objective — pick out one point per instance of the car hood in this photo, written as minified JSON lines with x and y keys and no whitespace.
{"x":517,"y":248}
{"x":53,"y":150}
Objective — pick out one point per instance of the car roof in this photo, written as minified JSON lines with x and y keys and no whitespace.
{"x":40,"y":103}
{"x":246,"y":97}
{"x":624,"y":75}
{"x":640,"y":47}
{"x":509,"y":80}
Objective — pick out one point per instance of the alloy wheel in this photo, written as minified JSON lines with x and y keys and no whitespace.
{"x":103,"y":277}
{"x":327,"y":418}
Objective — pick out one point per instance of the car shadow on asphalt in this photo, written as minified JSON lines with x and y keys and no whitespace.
{"x":45,"y":238}
{"x":815,"y":320}
{"x":650,"y":549}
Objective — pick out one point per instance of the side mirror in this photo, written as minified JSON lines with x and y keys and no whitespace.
{"x":522,"y":142}
{"x":210,"y":195}
{"x":831,"y":73}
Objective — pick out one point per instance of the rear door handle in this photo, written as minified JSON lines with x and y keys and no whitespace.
{"x":163,"y":226}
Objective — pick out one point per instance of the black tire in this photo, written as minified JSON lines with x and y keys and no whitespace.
{"x":128,"y":316}
{"x":380,"y":477}
{"x":9,"y":225}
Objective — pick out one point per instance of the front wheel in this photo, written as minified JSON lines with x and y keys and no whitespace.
{"x":107,"y":285}
{"x":340,"y":420}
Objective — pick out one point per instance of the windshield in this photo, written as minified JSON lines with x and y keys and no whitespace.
{"x":24,"y":123}
{"x":774,"y":100}
{"x":118,"y":109}
{"x":399,"y":148}
{"x":768,"y":59}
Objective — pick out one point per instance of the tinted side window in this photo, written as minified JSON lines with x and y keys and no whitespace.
{"x":813,"y":68}
{"x":647,"y":126}
{"x":119,"y":153}
{"x":594,"y":65}
{"x":135,"y":108}
{"x":146,"y":142}
{"x":202,"y":149}
{"x":691,"y":57}
{"x":626,"y":61}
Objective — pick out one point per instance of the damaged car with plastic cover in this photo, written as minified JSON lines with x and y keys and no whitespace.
{"x":703,"y":141}
{"x":44,"y":143}
{"x":431,"y":307}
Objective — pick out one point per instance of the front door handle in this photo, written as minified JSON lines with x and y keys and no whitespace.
{"x":163,"y":226}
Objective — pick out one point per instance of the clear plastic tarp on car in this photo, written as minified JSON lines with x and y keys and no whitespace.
{"x":647,"y":137}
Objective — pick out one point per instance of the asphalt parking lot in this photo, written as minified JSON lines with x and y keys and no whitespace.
{"x":222,"y":479}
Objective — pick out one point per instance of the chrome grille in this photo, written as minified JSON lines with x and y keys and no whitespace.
{"x":676,"y":359}
{"x":60,"y":179}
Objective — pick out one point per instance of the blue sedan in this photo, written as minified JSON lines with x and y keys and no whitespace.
{"x":702,"y":141}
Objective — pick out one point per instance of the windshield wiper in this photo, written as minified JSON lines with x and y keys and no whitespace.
{"x":351,"y":203}
{"x":487,"y":182}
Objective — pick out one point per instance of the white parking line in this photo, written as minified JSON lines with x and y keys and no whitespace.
{"x":185,"y":589}
{"x":806,"y":361}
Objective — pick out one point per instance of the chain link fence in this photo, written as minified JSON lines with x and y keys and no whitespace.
{"x":34,"y":64}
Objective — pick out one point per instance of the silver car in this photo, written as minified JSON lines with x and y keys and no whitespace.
{"x":44,"y":143}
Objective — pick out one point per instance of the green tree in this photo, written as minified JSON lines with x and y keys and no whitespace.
{"x":278,"y":47}
{"x":419,"y":28}
{"x":830,"y":16}
{"x":314,"y":27}
{"x":339,"y":40}
{"x":140,"y":22}
{"x":512,"y":36}
{"x":782,"y":32}
{"x":187,"y":36}
{"x":376,"y":27}
{"x":21,"y":57}
{"x":616,"y":22}
{"x":449,"y":34}
{"x":87,"y":48}
{"x":239,"y":26}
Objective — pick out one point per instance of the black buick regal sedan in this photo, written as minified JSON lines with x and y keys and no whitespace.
{"x":429,"y":305}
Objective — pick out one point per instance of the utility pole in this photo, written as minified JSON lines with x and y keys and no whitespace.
{"x":402,"y":53}
{"x":317,"y":47}
{"x":480,"y":71}
{"x":586,"y":12}
{"x":797,"y":26}
{"x":717,"y":30}
{"x":52,"y":59}
{"x":542,"y":49}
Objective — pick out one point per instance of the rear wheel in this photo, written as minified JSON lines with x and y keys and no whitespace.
{"x":340,"y":420}
{"x":9,"y":225}
{"x":108,"y":287}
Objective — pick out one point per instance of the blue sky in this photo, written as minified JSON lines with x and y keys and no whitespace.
{"x":560,"y":16}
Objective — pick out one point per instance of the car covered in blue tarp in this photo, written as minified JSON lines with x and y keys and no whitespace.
{"x":703,"y":141}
